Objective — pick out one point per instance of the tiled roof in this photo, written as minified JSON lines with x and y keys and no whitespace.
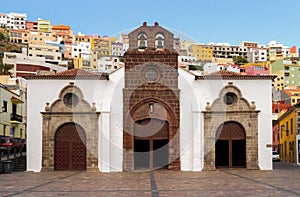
{"x":224,"y":74}
{"x":292,"y":92}
{"x":151,"y":51}
{"x":72,"y":74}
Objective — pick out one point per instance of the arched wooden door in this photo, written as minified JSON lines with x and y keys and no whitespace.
{"x":230,"y":145}
{"x":70,"y":149}
{"x":151,"y":149}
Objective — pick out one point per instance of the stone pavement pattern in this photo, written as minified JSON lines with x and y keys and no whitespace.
{"x":284,"y":180}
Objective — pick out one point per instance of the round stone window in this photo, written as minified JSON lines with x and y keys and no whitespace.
{"x":230,"y":98}
{"x":71,"y":100}
{"x":151,"y":75}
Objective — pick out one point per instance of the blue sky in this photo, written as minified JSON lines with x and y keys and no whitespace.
{"x":230,"y":21}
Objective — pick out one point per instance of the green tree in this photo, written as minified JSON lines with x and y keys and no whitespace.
{"x":4,"y":69}
{"x":240,"y":60}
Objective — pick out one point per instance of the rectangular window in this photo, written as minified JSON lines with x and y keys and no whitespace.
{"x":4,"y":106}
{"x":292,"y":124}
{"x":287,"y":128}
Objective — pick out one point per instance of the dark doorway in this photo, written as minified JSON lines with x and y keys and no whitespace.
{"x":161,"y":153}
{"x":151,"y":149}
{"x":70,"y":149}
{"x":238,"y":153}
{"x":230,"y":146}
{"x":222,"y":153}
{"x":141,"y":153}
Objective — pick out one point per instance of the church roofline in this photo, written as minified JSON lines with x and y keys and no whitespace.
{"x":151,"y":51}
{"x":72,"y":74}
{"x":235,"y":77}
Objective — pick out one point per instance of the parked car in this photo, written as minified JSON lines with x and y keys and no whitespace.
{"x":10,"y":143}
{"x":275,"y":156}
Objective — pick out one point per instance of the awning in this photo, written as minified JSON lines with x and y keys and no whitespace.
{"x":16,"y":100}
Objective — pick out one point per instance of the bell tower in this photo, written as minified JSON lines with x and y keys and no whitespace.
{"x":151,"y":101}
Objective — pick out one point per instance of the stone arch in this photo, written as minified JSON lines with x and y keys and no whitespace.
{"x":62,"y":111}
{"x":159,"y":40}
{"x":142,"y":39}
{"x":141,"y":111}
{"x":239,"y":111}
{"x":230,"y":145}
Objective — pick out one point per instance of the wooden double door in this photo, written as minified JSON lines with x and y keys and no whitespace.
{"x":70,"y":149}
{"x":230,"y":146}
{"x":151,"y":144}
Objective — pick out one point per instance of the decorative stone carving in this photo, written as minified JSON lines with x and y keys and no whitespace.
{"x":240,"y":112}
{"x":58,"y":114}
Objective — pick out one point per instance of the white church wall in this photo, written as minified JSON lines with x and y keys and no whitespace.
{"x":188,"y":133}
{"x":106,"y":97}
{"x":110,"y":93}
{"x":194,"y":96}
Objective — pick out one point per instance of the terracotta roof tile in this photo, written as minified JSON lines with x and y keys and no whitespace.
{"x":76,"y":72}
{"x":72,"y":74}
{"x":222,"y":73}
{"x":151,"y":51}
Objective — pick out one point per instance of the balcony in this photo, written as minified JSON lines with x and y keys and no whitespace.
{"x":15,"y":118}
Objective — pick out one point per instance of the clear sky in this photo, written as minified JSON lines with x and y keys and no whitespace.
{"x":203,"y":21}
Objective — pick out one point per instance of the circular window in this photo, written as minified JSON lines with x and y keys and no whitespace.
{"x":230,"y":98}
{"x":151,"y":74}
{"x":71,"y":100}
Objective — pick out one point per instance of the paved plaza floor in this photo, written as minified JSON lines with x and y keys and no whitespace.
{"x":284,"y":180}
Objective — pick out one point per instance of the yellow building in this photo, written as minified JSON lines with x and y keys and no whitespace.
{"x":19,"y":36}
{"x":12,"y":111}
{"x":202,"y":53}
{"x":44,"y":25}
{"x":103,"y":46}
{"x":278,"y":82}
{"x":40,"y":37}
{"x":288,"y":129}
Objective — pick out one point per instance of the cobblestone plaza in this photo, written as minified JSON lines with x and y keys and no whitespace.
{"x":282,"y":181}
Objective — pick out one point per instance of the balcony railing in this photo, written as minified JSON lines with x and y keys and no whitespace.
{"x":15,"y":117}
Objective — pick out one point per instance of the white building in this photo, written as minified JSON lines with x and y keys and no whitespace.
{"x":107,"y":96}
{"x":26,"y":65}
{"x":256,"y":55}
{"x":13,"y":20}
{"x":149,"y":114}
{"x":81,"y":48}
{"x":117,"y":49}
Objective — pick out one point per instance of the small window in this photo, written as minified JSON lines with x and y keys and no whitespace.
{"x":4,"y":106}
{"x":229,"y":98}
{"x":151,"y":74}
{"x":142,"y":41}
{"x":71,"y":100}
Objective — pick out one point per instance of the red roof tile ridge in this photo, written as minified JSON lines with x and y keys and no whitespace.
{"x":76,"y":72}
{"x":224,"y":73}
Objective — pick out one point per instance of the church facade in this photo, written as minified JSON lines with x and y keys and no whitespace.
{"x":149,"y":114}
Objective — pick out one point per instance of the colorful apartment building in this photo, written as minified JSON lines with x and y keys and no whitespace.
{"x":44,"y":25}
{"x":20,"y":36}
{"x":289,"y":128}
{"x":13,"y":20}
{"x":256,"y":69}
{"x":276,"y":137}
{"x":31,"y":25}
{"x":288,"y":73}
{"x":258,"y":54}
{"x":24,"y":65}
{"x":202,"y":54}
{"x":12,"y":111}
{"x":62,"y":33}
{"x":277,"y":51}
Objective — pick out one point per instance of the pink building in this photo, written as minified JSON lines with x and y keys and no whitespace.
{"x":257,"y":70}
{"x":275,"y":138}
